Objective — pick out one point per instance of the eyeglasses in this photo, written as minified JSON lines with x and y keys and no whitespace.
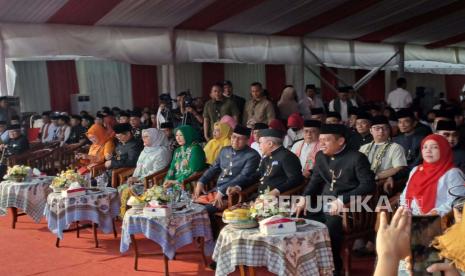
{"x":379,"y":128}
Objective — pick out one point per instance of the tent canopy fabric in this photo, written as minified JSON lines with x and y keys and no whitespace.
{"x":340,"y":33}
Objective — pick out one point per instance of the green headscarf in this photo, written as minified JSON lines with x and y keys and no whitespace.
{"x":190,"y":134}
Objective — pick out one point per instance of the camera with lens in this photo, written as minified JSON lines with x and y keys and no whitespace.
{"x":188,"y":100}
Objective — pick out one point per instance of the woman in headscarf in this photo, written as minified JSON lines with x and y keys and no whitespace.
{"x":229,"y":120}
{"x":101,"y":148}
{"x":427,"y":188}
{"x":221,"y":138}
{"x":155,"y":156}
{"x":288,"y":104}
{"x":188,"y":158}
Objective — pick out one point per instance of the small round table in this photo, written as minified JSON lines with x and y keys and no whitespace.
{"x":171,"y":233}
{"x":305,"y":252}
{"x":101,"y":208}
{"x":29,"y":196}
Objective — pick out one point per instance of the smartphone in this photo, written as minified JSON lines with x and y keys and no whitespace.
{"x":424,"y":230}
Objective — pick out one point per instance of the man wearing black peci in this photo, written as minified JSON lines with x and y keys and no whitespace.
{"x":339,"y":172}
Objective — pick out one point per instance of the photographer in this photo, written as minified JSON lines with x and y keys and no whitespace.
{"x":186,"y":114}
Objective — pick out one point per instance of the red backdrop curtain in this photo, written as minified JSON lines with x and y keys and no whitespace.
{"x":62,"y":81}
{"x":275,"y":80}
{"x":211,"y":73}
{"x":454,"y":84}
{"x":327,"y":93}
{"x":144,"y":85}
{"x":374,"y":90}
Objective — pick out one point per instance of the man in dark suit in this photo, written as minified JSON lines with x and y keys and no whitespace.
{"x":339,"y":172}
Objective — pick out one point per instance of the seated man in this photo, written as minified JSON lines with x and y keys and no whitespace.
{"x":49,"y":132}
{"x":318,"y":114}
{"x":407,"y":138}
{"x":386,"y":158}
{"x":307,"y":148}
{"x":136,"y":124}
{"x":280,"y":169}
{"x":362,"y":135}
{"x":167,"y":128}
{"x":127,"y":150}
{"x":77,"y":135}
{"x":295,"y":133}
{"x":17,"y":142}
{"x":338,"y":172}
{"x":4,"y":137}
{"x":333,"y":118}
{"x":448,"y":129}
{"x":236,"y":166}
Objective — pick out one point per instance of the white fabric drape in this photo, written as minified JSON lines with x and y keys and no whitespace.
{"x":189,"y":76}
{"x":107,"y":82}
{"x":294,"y":78}
{"x":32,"y":86}
{"x":242,"y":75}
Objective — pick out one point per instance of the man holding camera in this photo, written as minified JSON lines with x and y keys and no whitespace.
{"x":186,"y":114}
{"x":217,"y":107}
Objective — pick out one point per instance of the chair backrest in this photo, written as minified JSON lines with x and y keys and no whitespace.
{"x":360,"y":221}
{"x":155,"y":178}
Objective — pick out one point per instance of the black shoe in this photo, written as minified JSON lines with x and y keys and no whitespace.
{"x":212,"y":266}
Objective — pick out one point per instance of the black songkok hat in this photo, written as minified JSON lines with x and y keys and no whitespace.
{"x":121,"y":128}
{"x":310,"y":86}
{"x":260,"y":126}
{"x":88,"y":118}
{"x":446,"y":125}
{"x":312,"y":123}
{"x":379,"y":120}
{"x":333,"y":114}
{"x":317,"y":111}
{"x":76,"y":117}
{"x":444,"y":113}
{"x":405,"y":113}
{"x":14,"y":127}
{"x":64,"y":118}
{"x":166,"y":125}
{"x":364,"y":115}
{"x":344,"y":89}
{"x":227,"y":82}
{"x":136,"y":113}
{"x":353,"y":111}
{"x":123,"y":113}
{"x":242,"y":130}
{"x":334,"y":129}
{"x":269,"y":132}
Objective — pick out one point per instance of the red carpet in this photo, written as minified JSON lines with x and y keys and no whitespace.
{"x":30,"y":250}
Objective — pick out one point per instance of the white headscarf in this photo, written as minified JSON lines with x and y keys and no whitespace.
{"x":157,"y":139}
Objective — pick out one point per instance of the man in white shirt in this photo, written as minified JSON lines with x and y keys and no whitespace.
{"x":50,"y":130}
{"x":400,"y":98}
{"x":307,"y":148}
{"x":309,"y":101}
{"x":342,"y":103}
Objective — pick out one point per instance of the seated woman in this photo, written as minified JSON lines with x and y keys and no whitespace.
{"x":101,"y":148}
{"x":221,"y":138}
{"x":155,"y":156}
{"x":426,"y":191}
{"x":188,"y":158}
